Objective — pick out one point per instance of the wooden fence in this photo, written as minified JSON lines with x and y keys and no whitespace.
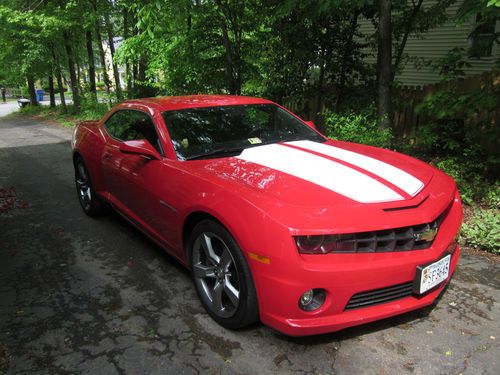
{"x":406,"y":119}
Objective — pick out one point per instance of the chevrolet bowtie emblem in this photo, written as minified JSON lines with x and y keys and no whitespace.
{"x":428,"y":235}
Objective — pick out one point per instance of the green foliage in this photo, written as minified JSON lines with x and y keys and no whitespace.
{"x":483,"y":230}
{"x":315,"y":49}
{"x":90,"y":110}
{"x":450,"y":104}
{"x":357,"y":127}
{"x":491,"y":197}
{"x":466,"y":170}
{"x":452,"y":65}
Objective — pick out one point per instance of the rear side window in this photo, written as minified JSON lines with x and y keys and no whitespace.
{"x":129,"y":125}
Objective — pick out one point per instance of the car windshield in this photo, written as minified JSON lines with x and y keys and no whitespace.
{"x":199,"y":133}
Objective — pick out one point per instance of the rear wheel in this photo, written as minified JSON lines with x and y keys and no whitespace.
{"x":91,"y":204}
{"x":221,"y":276}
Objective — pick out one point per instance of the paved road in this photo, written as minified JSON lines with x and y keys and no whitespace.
{"x":97,"y":297}
{"x":12,"y":106}
{"x":8,"y":107}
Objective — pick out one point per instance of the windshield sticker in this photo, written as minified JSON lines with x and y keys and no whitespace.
{"x":254,"y":141}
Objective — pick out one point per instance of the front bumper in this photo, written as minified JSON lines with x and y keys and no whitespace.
{"x":332,"y":316}
{"x":344,"y":275}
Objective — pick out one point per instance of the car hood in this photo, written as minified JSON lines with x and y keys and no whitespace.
{"x":322,"y":181}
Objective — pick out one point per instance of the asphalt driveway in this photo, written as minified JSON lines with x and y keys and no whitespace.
{"x":79,"y":295}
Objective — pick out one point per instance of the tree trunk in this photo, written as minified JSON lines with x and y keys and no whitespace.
{"x":90,"y":55}
{"x":232,"y":82}
{"x":346,"y":53}
{"x":51,"y":89}
{"x":384,"y":63}
{"x":31,"y":89}
{"x":116,"y":74}
{"x":59,"y":79}
{"x":319,"y":88}
{"x":72,"y":73}
{"x":102,"y":56}
{"x":126,"y":35}
{"x":408,"y":27}
{"x":79,"y":75}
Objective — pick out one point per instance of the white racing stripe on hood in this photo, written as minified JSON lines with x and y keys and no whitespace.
{"x":320,"y":171}
{"x":395,"y":176}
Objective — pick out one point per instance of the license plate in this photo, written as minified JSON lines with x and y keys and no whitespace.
{"x":432,"y":274}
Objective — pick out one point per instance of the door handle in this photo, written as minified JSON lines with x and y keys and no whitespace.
{"x":107,"y":155}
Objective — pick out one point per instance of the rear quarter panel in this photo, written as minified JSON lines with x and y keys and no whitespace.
{"x":88,"y":142}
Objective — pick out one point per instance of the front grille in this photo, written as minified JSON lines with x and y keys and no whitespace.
{"x":414,"y":237}
{"x":378,"y":296}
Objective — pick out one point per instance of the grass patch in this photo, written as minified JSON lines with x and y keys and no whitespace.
{"x":89,"y":111}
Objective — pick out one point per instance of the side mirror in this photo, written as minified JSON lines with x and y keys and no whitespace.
{"x":140,"y":147}
{"x":311,"y":124}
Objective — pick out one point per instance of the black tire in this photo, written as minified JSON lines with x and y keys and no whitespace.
{"x":217,"y":262}
{"x":91,"y":203}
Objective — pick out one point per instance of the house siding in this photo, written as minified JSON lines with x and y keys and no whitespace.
{"x":434,"y":45}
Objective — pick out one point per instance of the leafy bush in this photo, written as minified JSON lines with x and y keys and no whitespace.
{"x":483,"y":230}
{"x":450,"y":104}
{"x":466,"y":170}
{"x":357,"y":127}
{"x":90,"y":110}
{"x":491,"y":197}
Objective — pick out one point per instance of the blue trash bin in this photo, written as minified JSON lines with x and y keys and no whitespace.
{"x":39,"y":95}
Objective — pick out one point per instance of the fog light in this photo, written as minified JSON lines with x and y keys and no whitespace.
{"x":307,"y":298}
{"x":312,"y":299}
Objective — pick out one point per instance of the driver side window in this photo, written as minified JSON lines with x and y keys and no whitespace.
{"x":130,"y":125}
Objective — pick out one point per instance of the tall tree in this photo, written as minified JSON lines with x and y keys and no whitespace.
{"x":408,"y":26}
{"x":72,"y":72}
{"x":91,"y":63}
{"x":31,"y":89}
{"x":111,"y":43}
{"x":52,"y":95}
{"x":100,"y":48}
{"x":59,"y":79}
{"x":384,"y":63}
{"x":126,"y":35}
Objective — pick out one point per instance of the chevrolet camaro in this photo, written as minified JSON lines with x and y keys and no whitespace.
{"x":276,"y":222}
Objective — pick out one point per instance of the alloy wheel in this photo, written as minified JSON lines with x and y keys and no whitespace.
{"x":216,"y":275}
{"x":83,"y":187}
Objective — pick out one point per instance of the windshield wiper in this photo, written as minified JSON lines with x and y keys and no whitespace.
{"x":218,"y":152}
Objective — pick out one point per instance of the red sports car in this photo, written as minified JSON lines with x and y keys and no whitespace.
{"x":275,"y":221}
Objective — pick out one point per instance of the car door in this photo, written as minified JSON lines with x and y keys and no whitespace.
{"x":133,"y":180}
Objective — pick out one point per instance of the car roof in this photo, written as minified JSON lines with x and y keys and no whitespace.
{"x":169,"y":103}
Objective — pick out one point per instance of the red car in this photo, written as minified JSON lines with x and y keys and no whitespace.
{"x":276,"y":221}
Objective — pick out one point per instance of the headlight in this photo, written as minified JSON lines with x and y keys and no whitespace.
{"x":325,"y":244}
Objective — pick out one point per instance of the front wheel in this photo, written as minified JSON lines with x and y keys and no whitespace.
{"x":221,"y":276}
{"x":92,"y":205}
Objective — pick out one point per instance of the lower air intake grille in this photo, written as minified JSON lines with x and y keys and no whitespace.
{"x":378,"y":296}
